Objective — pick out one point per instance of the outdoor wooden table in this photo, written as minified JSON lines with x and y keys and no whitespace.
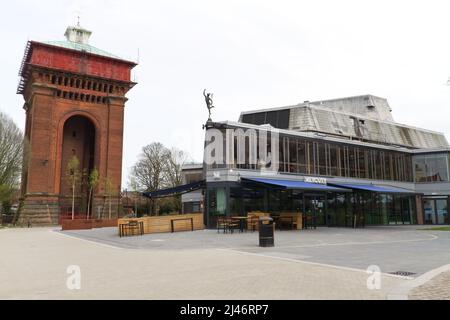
{"x":180,"y":219}
{"x":242,"y":222}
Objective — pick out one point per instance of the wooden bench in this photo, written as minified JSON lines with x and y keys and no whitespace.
{"x":297,"y":222}
{"x":125,"y":228}
{"x":287,"y":221}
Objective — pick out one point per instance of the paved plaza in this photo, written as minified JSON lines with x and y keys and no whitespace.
{"x":393,"y":249}
{"x":326,"y":263}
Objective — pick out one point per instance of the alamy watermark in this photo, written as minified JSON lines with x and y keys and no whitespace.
{"x":237,"y":146}
{"x":374,"y":279}
{"x":73,"y":281}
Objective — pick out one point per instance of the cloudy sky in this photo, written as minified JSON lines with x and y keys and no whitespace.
{"x":251,"y":54}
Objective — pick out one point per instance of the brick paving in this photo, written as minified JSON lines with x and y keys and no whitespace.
{"x":390,"y":248}
{"x":35,"y":261}
{"x":437,"y":288}
{"x":327,"y":263}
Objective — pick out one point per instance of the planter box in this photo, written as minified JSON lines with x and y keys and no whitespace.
{"x":104,"y":223}
{"x":161,"y":224}
{"x":84,"y":224}
{"x":77,"y":224}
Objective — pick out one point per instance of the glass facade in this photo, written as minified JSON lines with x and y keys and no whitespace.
{"x":299,"y":155}
{"x":302,"y":156}
{"x":431,"y":167}
{"x":320,"y":157}
{"x":278,"y":119}
{"x":217,"y":200}
{"x":353,"y":209}
{"x":192,"y":207}
{"x":436,"y":210}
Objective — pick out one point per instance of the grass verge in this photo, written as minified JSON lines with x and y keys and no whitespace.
{"x":446,"y":228}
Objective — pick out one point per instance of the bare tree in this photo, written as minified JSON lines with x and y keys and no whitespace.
{"x":173,"y":167}
{"x":158,"y":168}
{"x":150,"y":167}
{"x":92,"y":182}
{"x":173,"y":172}
{"x":13,"y":156}
{"x":73,"y":176}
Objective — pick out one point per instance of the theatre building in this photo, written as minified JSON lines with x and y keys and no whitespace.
{"x":345,"y":162}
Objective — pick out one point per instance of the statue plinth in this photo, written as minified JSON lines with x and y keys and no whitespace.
{"x":209,"y":124}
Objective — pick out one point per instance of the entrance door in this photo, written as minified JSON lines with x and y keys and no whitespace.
{"x":441,"y":211}
{"x":435,"y":211}
{"x":315,"y":208}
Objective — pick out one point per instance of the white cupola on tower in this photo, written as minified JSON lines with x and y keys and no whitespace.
{"x":78,"y":34}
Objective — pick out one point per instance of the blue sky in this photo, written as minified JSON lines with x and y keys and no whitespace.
{"x":250,"y":54}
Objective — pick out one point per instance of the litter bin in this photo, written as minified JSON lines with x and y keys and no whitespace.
{"x":266,"y":227}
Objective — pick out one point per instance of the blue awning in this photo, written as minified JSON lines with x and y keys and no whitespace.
{"x":186,"y":188}
{"x":290,"y":184}
{"x":374,"y":188}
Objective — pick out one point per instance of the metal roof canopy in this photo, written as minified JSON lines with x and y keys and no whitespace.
{"x":297,"y":185}
{"x":186,"y":188}
{"x":375,"y":188}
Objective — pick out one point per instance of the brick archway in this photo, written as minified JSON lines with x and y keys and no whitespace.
{"x":60,"y":166}
{"x":78,"y":139}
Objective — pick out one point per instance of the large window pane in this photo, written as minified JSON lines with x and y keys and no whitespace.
{"x":271,"y":118}
{"x":428,"y":168}
{"x":387,"y":166}
{"x":429,"y":211}
{"x":221,"y":201}
{"x":333,"y":160}
{"x":352,"y":162}
{"x":302,"y":156}
{"x":283,"y":119}
{"x":441,"y":211}
{"x":437,"y":168}
{"x":253,"y":199}
{"x":293,"y":160}
{"x":260,"y":118}
{"x":236,"y":208}
{"x":362,"y":164}
{"x":322,"y":159}
{"x":311,"y":156}
{"x":420,"y":172}
{"x":344,"y":162}
{"x":248,"y":118}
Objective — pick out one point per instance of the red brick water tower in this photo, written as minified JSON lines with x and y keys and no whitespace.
{"x":74,"y":102}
